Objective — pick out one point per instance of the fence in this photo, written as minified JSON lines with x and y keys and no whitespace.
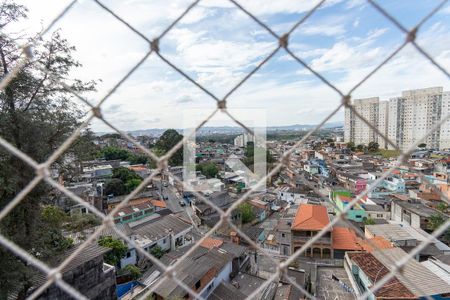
{"x":54,"y":275}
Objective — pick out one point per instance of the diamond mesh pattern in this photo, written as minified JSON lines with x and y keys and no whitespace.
{"x":54,"y":275}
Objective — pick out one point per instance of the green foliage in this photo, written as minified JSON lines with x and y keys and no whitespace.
{"x":167,"y":141}
{"x":85,"y":147}
{"x":360,"y":147}
{"x":53,"y":215}
{"x":132,"y":184}
{"x":250,"y":155}
{"x":388,"y":153}
{"x":134,"y":271}
{"x":208,"y":169}
{"x":123,"y":181}
{"x":114,"y":153}
{"x":435,"y":221}
{"x":36,"y":117}
{"x":422,"y":145}
{"x":369,"y":221}
{"x":442,"y":207}
{"x":246,"y":212}
{"x":115,"y":187}
{"x":157,"y":252}
{"x":78,"y":222}
{"x":119,"y":249}
{"x":373,"y":146}
{"x":351,"y":146}
{"x":124,"y":174}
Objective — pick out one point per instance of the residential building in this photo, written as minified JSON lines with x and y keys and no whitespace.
{"x":341,"y":199}
{"x":416,"y":281}
{"x":134,"y":212}
{"x":356,"y":130}
{"x":411,"y":212}
{"x":85,"y":272}
{"x":445,"y":128}
{"x":203,"y":270}
{"x":242,"y":139}
{"x":309,"y":221}
{"x":406,"y":237}
{"x":402,"y":119}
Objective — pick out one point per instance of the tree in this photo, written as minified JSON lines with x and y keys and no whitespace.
{"x":132,"y":184}
{"x":369,"y":221}
{"x":53,"y":215}
{"x":134,"y":271}
{"x":119,"y":249}
{"x":115,"y":187}
{"x":78,"y":222}
{"x":442,"y":207}
{"x":360,"y":148}
{"x":208,"y":169}
{"x":373,"y":146}
{"x":422,"y":145}
{"x":36,"y":116}
{"x":246,"y":212}
{"x":351,"y":146}
{"x":113,"y":153}
{"x":157,"y":252}
{"x":124,"y":174}
{"x":435,"y":221}
{"x":123,"y":181}
{"x":167,"y":141}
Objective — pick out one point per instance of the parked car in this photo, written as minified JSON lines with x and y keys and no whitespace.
{"x":182,"y":203}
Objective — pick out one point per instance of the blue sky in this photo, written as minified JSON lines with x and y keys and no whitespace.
{"x":218,"y":45}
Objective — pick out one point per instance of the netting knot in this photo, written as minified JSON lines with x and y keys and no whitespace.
{"x":154,"y":45}
{"x":347,"y":100}
{"x":97,"y":112}
{"x":411,"y":36}
{"x":42,"y":171}
{"x":108,"y":222}
{"x":222,"y":104}
{"x":54,"y":275}
{"x":284,"y":40}
{"x":170,"y":272}
{"x":162,"y":164}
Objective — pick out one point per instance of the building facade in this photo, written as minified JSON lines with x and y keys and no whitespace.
{"x":402,"y":119}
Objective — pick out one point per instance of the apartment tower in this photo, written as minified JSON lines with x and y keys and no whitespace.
{"x":402,"y":119}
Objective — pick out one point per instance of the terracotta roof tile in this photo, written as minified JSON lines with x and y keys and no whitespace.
{"x":375,"y":270}
{"x":345,"y":239}
{"x":375,"y":243}
{"x":210,"y":243}
{"x":310,"y":217}
{"x":158,"y":203}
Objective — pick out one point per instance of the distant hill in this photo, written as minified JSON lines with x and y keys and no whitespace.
{"x":207,"y":130}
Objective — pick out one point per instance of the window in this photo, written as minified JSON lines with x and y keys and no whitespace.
{"x":128,"y":254}
{"x":283,"y":235}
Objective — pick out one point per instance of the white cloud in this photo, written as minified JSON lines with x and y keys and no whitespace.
{"x":156,"y":95}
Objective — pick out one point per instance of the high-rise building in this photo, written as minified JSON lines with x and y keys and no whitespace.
{"x":445,"y":128}
{"x":356,"y":130}
{"x":402,"y":119}
{"x":242,"y":139}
